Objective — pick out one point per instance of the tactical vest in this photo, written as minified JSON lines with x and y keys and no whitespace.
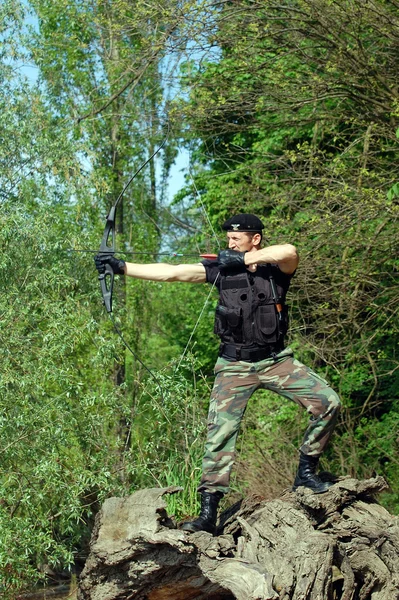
{"x":247,"y":314}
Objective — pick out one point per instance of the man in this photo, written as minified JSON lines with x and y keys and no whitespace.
{"x":251,"y":320}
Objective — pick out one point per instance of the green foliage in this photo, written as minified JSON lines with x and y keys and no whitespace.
{"x":298,"y":125}
{"x":166,"y":436}
{"x":69,"y":391}
{"x":58,"y":459}
{"x":393,"y":192}
{"x":289,"y":110}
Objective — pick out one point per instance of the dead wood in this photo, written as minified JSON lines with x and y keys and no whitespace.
{"x":341,"y":545}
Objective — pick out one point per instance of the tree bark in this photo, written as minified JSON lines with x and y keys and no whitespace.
{"x":341,"y":545}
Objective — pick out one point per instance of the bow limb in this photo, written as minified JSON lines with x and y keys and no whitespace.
{"x":108,"y":242}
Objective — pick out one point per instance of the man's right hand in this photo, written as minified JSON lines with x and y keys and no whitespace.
{"x":116,"y":264}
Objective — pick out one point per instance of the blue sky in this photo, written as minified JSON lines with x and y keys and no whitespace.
{"x":177,"y":173}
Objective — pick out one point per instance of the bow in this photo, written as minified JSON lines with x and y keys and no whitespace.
{"x":108,"y":246}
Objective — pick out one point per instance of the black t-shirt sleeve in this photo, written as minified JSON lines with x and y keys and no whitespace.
{"x":212,"y":271}
{"x":282,"y":279}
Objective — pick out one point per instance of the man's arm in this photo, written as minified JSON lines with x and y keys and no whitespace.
{"x":164,"y":272}
{"x":285,"y":255}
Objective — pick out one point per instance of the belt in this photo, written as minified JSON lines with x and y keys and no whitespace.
{"x":249,"y":354}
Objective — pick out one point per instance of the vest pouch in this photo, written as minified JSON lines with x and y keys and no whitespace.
{"x":266,"y":324}
{"x":228,"y":322}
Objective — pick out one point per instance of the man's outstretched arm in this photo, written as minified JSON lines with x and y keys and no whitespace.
{"x":164,"y":272}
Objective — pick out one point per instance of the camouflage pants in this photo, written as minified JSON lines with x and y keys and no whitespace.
{"x":236,"y":382}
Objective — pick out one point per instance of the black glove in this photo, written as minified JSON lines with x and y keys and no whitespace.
{"x":231,"y":258}
{"x":117,"y":265}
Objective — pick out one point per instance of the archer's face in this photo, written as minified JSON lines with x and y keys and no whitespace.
{"x":242,"y":242}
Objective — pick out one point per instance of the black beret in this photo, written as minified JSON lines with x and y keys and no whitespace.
{"x":243,"y":222}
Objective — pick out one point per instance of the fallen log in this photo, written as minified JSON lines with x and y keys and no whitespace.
{"x":341,"y":545}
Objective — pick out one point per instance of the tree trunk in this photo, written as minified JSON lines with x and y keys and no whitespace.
{"x":341,"y":545}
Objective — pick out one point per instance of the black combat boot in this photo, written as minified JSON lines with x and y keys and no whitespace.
{"x":307,"y":477}
{"x":208,"y":515}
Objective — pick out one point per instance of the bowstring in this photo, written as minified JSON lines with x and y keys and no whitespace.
{"x":197,"y":323}
{"x":217,"y":276}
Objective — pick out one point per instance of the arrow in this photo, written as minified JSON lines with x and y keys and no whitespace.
{"x":171,"y":254}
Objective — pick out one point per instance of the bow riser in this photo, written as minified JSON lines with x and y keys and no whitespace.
{"x":107,"y":246}
{"x":107,"y":285}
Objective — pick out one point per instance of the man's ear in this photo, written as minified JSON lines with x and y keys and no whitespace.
{"x":257,"y":238}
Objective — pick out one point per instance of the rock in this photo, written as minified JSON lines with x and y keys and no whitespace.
{"x":341,"y":545}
